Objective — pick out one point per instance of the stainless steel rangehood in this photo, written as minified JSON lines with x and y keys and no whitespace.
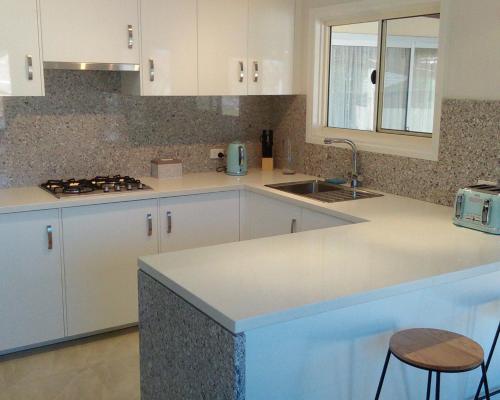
{"x":92,"y":66}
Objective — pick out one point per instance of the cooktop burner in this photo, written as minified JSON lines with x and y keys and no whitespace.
{"x":97,"y":185}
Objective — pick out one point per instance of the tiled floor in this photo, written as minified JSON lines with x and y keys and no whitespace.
{"x":103,"y":368}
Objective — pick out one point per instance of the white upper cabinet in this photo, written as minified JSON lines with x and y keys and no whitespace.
{"x":169,"y":48}
{"x":270,"y":47}
{"x":222,"y":42}
{"x":31,"y":283}
{"x":20,"y":61}
{"x":90,"y":31}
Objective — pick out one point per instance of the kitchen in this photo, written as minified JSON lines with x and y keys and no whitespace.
{"x":93,"y":90}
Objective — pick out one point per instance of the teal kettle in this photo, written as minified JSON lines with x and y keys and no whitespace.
{"x":236,"y":156}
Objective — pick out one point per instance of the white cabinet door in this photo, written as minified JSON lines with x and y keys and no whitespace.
{"x":90,"y":31}
{"x":270,"y":47}
{"x":199,"y":220}
{"x":101,"y":246}
{"x":222,"y":42}
{"x":31,"y":296}
{"x":169,"y":48}
{"x":20,"y":62}
{"x":312,"y":220}
{"x":264,"y":216}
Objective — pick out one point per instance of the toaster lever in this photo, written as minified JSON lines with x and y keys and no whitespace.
{"x":486,"y":212}
{"x":458,"y":206}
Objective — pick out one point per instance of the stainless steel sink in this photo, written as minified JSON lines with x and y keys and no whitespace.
{"x":322,"y":191}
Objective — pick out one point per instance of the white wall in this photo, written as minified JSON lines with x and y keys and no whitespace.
{"x":472,"y":30}
{"x":471,"y":33}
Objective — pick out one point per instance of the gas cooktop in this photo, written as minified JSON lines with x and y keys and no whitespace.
{"x":98,"y":185}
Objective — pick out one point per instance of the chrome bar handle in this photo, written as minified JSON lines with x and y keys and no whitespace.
{"x":256,"y":71}
{"x":130,"y":36}
{"x":169,"y":222}
{"x":485,"y":217}
{"x":242,"y":71}
{"x":29,"y":67}
{"x":293,"y":228}
{"x":150,"y":224}
{"x":50,"y":241}
{"x":151,"y":70}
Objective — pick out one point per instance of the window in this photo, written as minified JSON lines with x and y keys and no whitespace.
{"x":402,"y":98}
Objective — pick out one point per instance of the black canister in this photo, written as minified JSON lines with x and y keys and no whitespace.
{"x":267,"y":143}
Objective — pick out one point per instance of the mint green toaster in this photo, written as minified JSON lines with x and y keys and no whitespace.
{"x":478,"y":207}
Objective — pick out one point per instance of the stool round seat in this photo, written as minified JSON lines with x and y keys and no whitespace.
{"x":436,"y":350}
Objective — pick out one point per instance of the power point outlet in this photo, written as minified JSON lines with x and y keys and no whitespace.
{"x":214,"y":153}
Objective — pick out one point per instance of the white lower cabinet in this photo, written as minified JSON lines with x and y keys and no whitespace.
{"x":31,"y":294}
{"x":199,"y":220}
{"x":101,"y":246}
{"x":264,"y":216}
{"x":312,"y":220}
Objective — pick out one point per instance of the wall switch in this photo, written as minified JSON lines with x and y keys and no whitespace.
{"x":214,"y":153}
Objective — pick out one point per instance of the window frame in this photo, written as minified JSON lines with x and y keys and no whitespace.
{"x":379,"y":90}
{"x":318,"y":56}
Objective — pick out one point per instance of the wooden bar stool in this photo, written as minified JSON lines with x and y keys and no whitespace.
{"x":490,"y":356}
{"x":438,"y":351}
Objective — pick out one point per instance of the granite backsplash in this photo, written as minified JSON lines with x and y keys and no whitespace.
{"x":84,"y":127}
{"x":469,"y":150}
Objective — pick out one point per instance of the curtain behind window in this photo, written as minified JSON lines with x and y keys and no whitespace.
{"x":421,"y":107}
{"x":352,"y":95}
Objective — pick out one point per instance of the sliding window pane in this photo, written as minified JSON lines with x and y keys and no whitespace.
{"x":353,"y":58}
{"x":409,"y":77}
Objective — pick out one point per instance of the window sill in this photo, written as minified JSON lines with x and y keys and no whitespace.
{"x":383,"y":143}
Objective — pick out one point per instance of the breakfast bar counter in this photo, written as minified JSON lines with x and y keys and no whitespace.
{"x":308,"y":315}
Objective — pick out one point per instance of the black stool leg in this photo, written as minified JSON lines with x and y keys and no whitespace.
{"x":485,"y":380}
{"x":490,"y":356}
{"x":429,"y":384}
{"x":386,"y":363}
{"x":438,"y":384}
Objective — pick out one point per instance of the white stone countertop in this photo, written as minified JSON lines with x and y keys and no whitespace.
{"x":34,"y":198}
{"x":398,"y":245}
{"x":395,"y":245}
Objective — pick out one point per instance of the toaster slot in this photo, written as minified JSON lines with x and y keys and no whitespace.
{"x":486,"y":212}
{"x":459,"y":206}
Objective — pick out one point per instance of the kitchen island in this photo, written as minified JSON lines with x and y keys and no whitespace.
{"x":309,"y":315}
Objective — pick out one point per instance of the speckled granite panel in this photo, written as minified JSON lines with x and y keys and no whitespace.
{"x":184,"y":353}
{"x":469,"y":150}
{"x":84,"y":127}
